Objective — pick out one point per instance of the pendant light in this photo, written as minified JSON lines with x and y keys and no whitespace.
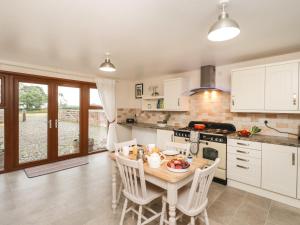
{"x":225,"y":28}
{"x":107,"y":66}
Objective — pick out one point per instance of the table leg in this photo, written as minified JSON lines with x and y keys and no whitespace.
{"x":114,"y":186}
{"x":172,"y":201}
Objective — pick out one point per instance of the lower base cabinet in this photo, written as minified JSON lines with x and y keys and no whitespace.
{"x":279,"y":169}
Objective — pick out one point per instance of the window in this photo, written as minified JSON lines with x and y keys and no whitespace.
{"x":98,"y":124}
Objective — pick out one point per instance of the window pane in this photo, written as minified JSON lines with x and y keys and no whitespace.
{"x":33,"y":122}
{"x":97,"y":130}
{"x":68,"y":120}
{"x":2,"y":139}
{"x":94,"y":97}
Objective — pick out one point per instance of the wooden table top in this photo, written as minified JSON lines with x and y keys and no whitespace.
{"x":163,"y":173}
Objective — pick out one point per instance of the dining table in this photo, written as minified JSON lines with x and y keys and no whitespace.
{"x":171,"y":182}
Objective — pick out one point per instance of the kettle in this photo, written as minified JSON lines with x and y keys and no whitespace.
{"x":154,"y":160}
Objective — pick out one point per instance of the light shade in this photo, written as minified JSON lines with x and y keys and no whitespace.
{"x":224,"y":29}
{"x":107,"y":66}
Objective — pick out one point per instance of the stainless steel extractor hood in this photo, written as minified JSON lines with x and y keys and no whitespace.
{"x":207,"y":79}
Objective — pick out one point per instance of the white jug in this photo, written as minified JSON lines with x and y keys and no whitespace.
{"x":154,"y":160}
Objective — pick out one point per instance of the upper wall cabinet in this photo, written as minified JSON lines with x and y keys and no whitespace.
{"x":248,"y":89}
{"x":282,"y":87}
{"x":269,"y":88}
{"x":174,"y":99}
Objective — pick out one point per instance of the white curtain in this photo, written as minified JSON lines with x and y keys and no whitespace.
{"x":107,"y":93}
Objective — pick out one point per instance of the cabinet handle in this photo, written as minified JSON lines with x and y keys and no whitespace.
{"x":232,"y":102}
{"x":244,"y":152}
{"x":244,"y":144}
{"x":244,"y":160}
{"x":178,"y":102}
{"x":172,"y":137}
{"x":294,"y":99}
{"x":293,"y":159}
{"x":243,"y":167}
{"x":50,"y":124}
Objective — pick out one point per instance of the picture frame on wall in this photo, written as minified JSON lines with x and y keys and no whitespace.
{"x":139,"y":90}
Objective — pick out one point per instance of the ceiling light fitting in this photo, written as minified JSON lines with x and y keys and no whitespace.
{"x":225,"y":28}
{"x":107,"y":66}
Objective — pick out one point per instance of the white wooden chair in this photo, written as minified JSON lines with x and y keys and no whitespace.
{"x":136,"y":190}
{"x":192,"y":201}
{"x":118,"y":149}
{"x":182,"y":148}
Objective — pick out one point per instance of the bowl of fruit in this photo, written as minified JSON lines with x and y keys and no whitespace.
{"x":178,"y":165}
{"x":248,"y":133}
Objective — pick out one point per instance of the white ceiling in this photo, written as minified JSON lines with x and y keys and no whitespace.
{"x":145,"y":37}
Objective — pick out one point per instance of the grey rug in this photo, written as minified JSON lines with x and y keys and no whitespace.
{"x":55,"y":167}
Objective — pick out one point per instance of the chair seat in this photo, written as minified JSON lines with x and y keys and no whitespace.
{"x":183,"y":196}
{"x":153,"y":192}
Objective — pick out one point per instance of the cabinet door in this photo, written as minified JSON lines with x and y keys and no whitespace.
{"x":248,"y":89}
{"x":279,"y":169}
{"x":298,"y":174}
{"x":282,"y":87}
{"x":172,"y":92}
{"x":163,"y":136}
{"x":144,"y":136}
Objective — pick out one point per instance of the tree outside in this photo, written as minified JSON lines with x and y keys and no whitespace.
{"x":32,"y":97}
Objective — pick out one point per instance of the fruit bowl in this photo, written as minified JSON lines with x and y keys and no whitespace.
{"x":178,"y":165}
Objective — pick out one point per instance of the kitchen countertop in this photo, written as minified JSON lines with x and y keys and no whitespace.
{"x":147,"y":125}
{"x":268,"y":139}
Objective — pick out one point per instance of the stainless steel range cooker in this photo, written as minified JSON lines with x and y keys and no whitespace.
{"x":209,"y":143}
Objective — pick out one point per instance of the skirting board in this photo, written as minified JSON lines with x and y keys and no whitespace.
{"x":264,"y":193}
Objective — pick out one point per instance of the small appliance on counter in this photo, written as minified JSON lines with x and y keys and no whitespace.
{"x":129,"y":120}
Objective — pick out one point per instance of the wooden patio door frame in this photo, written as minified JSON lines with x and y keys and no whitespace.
{"x":50,"y":133}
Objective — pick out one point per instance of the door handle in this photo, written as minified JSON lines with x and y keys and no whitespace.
{"x":243,"y":167}
{"x":244,"y":160}
{"x":56,"y":123}
{"x":244,"y":152}
{"x":293,"y":159}
{"x":50,"y":124}
{"x":243,"y":144}
{"x":294,"y":99}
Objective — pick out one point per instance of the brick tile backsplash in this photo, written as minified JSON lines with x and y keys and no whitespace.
{"x":215,"y":107}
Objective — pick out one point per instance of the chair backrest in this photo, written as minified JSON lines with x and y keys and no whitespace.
{"x":197,"y":199}
{"x":119,"y":146}
{"x":133,"y":177}
{"x":182,"y":148}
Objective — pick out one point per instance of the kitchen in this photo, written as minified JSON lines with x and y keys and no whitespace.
{"x":150,"y":112}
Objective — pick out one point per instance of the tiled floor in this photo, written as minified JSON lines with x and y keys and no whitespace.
{"x":82,"y":195}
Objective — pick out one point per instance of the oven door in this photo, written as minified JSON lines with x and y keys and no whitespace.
{"x":212,"y":150}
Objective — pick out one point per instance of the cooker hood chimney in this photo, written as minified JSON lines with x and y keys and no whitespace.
{"x":207,"y":79}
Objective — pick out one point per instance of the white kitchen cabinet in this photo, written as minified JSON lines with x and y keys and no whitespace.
{"x":282,"y":87}
{"x":144,"y":136}
{"x":298,"y":192}
{"x":164,"y":136}
{"x":248,"y":89}
{"x":279,"y":169}
{"x":174,"y":99}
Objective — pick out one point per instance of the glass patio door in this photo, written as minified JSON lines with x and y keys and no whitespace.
{"x":68,"y":120}
{"x":33,"y":121}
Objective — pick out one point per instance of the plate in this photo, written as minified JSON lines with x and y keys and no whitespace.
{"x":170,"y":152}
{"x":177,"y":170}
